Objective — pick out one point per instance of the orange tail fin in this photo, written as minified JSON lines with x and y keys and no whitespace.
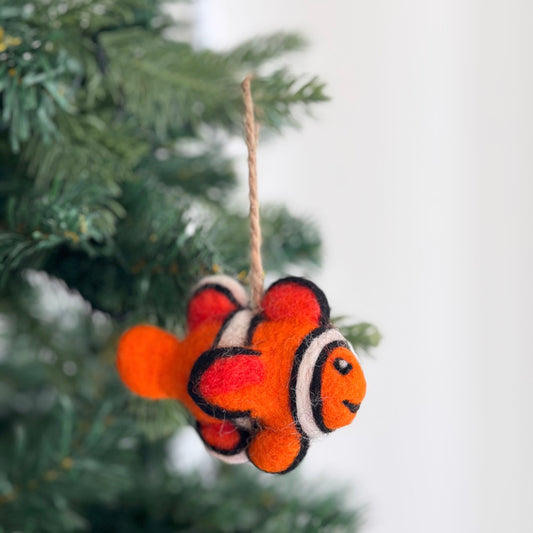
{"x":146,"y":361}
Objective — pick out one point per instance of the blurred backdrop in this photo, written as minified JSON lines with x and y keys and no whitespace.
{"x":419,"y":174}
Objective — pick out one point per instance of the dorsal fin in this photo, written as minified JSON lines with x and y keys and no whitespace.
{"x":213,"y":299}
{"x":296,"y":298}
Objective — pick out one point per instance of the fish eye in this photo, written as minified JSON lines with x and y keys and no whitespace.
{"x":342,"y":366}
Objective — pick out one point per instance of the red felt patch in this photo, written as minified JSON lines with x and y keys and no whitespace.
{"x":223,"y":436}
{"x":208,"y":304}
{"x":229,"y":374}
{"x":291,"y":301}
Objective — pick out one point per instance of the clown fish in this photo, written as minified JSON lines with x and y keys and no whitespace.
{"x":259,"y":385}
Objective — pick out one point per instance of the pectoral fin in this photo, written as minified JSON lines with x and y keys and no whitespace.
{"x":223,"y":381}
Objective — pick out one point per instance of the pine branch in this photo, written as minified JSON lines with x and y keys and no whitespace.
{"x":203,"y":173}
{"x":259,"y":50}
{"x":31,"y":94}
{"x":167,"y":84}
{"x":265,"y":507}
{"x":75,"y":462}
{"x":286,"y":240}
{"x":278,"y":95}
{"x":90,"y":147}
{"x":81,"y":215}
{"x":362,"y":336}
{"x":156,"y":260}
{"x":62,"y":15}
{"x":140,"y":269}
{"x":38,"y":76}
{"x":51,"y":349}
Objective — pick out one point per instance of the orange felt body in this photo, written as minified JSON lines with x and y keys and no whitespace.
{"x":259,"y":386}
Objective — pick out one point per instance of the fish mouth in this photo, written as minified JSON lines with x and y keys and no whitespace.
{"x":352,"y":407}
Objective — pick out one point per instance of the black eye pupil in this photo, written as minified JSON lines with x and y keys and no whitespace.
{"x":342,"y":366}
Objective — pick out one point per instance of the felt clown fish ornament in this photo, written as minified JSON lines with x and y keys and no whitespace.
{"x":259,"y":385}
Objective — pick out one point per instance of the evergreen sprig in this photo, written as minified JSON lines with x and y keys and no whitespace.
{"x":363,"y":336}
{"x":190,"y":87}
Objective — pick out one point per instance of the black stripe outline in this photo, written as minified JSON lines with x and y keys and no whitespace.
{"x":315,"y":390}
{"x":319,"y":295}
{"x":200,"y":366}
{"x":304,"y":439}
{"x":298,"y":356}
{"x":256,"y":320}
{"x":224,"y":326}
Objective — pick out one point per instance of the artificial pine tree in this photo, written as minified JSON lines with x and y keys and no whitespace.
{"x":115,"y":198}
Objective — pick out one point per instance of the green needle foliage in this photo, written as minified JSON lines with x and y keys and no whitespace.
{"x":115,"y":198}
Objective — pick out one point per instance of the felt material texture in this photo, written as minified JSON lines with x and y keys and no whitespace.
{"x":260,"y":386}
{"x":223,"y":437}
{"x":296,"y":299}
{"x":231,"y":374}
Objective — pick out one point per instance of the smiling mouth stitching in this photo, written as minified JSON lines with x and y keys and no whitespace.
{"x":353,"y":407}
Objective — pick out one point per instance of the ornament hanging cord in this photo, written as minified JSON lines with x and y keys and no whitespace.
{"x":251,"y":134}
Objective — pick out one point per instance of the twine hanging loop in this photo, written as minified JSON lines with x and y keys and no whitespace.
{"x":251,"y":133}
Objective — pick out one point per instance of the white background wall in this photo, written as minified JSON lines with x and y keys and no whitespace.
{"x":419,"y":173}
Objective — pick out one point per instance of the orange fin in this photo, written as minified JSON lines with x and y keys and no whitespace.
{"x":296,"y":299}
{"x":214,"y":298}
{"x":146,"y":358}
{"x":277,"y":451}
{"x":222,"y":380}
